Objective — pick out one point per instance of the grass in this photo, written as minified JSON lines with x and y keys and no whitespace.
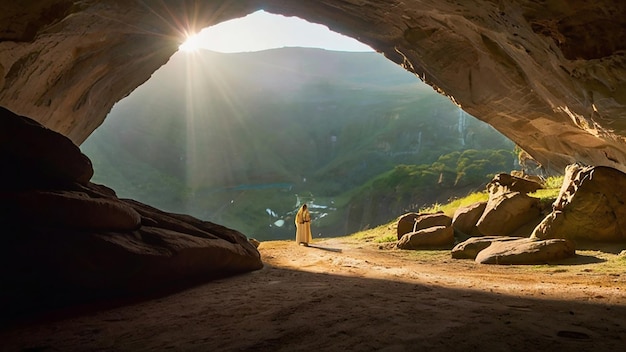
{"x":554,"y":182}
{"x":379,"y":234}
{"x":387,"y":232}
{"x":603,"y":261}
{"x":386,"y":239}
{"x":452,"y":206}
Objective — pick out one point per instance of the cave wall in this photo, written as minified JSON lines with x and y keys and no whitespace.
{"x":548,"y":74}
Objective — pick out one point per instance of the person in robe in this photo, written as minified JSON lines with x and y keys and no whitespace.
{"x":303,"y":226}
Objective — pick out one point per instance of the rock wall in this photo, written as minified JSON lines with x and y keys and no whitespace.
{"x":66,"y":240}
{"x":548,"y":74}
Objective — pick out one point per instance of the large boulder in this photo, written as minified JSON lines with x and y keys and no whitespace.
{"x":412,"y":222}
{"x":465,"y":219}
{"x":503,"y":183}
{"x":432,"y":237}
{"x":526,"y":251}
{"x":507,"y":212}
{"x":522,"y":174}
{"x":56,"y":257}
{"x":35,"y":156}
{"x":67,"y":240}
{"x":589,"y":207}
{"x":470,"y":248}
{"x":74,"y":210}
{"x":405,"y":223}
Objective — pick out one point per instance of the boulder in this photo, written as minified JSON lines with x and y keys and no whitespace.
{"x":465,"y":219}
{"x":66,"y":240}
{"x":413,"y":222}
{"x":87,"y":249}
{"x":432,"y":237}
{"x":589,"y":207}
{"x":36,"y":157}
{"x":522,"y":174}
{"x":526,"y":251}
{"x":406,"y":223}
{"x":506,"y":212}
{"x":51,"y":268}
{"x":470,"y":248}
{"x":75,"y":210}
{"x":504,"y":183}
{"x":254,"y":242}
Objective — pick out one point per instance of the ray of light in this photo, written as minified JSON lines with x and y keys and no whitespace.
{"x":204,"y":86}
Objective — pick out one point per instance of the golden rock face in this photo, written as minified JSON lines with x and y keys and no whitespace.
{"x":549,"y":75}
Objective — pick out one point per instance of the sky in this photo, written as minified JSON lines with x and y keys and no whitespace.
{"x":262,"y":31}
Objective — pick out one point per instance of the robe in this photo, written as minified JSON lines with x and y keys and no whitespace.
{"x":303,"y":226}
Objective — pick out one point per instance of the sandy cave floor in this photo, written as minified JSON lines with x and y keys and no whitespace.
{"x":345,"y":295}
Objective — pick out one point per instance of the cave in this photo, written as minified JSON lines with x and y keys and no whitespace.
{"x":548,"y":75}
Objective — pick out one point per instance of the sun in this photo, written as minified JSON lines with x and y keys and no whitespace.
{"x":191,"y":44}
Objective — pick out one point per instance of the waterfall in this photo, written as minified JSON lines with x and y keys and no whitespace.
{"x":462,"y":124}
{"x":419,"y":142}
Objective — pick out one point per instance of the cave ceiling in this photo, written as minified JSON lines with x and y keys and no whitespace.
{"x":547,"y":74}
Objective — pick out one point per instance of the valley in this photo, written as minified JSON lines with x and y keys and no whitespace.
{"x":224,"y":137}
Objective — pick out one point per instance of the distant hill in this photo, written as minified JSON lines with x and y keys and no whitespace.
{"x":243,"y":139}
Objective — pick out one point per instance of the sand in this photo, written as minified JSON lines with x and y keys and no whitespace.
{"x":347,"y":295}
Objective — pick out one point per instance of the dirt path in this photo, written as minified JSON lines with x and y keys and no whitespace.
{"x":348,"y":295}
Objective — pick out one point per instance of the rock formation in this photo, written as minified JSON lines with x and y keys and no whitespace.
{"x":430,"y":237}
{"x":507,"y":212}
{"x":67,"y":240}
{"x":513,"y":250}
{"x":526,"y":251}
{"x":549,"y":75}
{"x":465,"y":219}
{"x":470,"y":248}
{"x":412,"y":222}
{"x":589,"y":207}
{"x":509,"y":207}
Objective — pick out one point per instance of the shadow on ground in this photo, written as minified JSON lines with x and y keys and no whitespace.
{"x":336,"y":250}
{"x":276,"y":309}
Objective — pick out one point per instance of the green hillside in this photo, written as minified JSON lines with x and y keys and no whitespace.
{"x":244,"y":139}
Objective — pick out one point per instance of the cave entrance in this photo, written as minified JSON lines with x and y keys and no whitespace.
{"x":262,"y":31}
{"x":242,"y":132}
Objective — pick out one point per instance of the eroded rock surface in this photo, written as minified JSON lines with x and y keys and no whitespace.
{"x":431,"y":237}
{"x":507,"y":212}
{"x":549,"y":75}
{"x":30,"y":154}
{"x":470,"y":248}
{"x":526,"y":251}
{"x":465,"y":219}
{"x":412,"y":222}
{"x":67,"y":240}
{"x":503,"y":183}
{"x":513,"y":250}
{"x":589,"y":207}
{"x":510,"y":211}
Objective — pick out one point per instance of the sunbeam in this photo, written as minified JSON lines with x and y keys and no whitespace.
{"x":204,"y":88}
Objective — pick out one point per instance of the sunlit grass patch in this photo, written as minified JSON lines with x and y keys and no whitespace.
{"x":547,"y":195}
{"x":379,"y":234}
{"x":439,"y":255}
{"x":554,"y":182}
{"x":386,"y":239}
{"x":387,"y":232}
{"x":451,"y":207}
